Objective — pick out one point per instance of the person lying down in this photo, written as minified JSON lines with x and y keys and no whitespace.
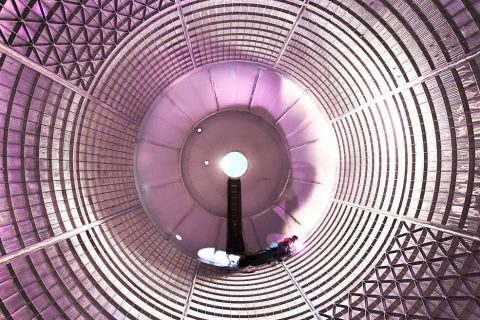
{"x":281,"y":251}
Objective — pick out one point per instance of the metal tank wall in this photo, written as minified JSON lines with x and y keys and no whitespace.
{"x":399,"y":81}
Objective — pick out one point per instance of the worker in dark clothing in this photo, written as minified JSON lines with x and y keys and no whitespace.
{"x":285,"y":247}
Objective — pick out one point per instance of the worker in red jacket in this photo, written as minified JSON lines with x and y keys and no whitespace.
{"x":285,"y":247}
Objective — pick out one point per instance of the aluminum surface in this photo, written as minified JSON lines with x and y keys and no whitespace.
{"x":397,"y":80}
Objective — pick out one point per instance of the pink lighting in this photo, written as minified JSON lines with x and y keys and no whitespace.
{"x":288,"y":148}
{"x":360,"y":121}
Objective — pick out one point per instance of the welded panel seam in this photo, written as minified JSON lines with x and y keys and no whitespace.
{"x":255,"y":83}
{"x":190,"y":292}
{"x":213,"y":89}
{"x":185,"y":32}
{"x":291,"y":32}
{"x":410,"y":84}
{"x":430,"y":225}
{"x":300,"y":290}
{"x":52,"y":76}
{"x":59,"y":238}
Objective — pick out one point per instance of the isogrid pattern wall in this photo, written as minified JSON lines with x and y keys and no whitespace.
{"x":345,"y":246}
{"x":424,"y":274}
{"x":398,"y":79}
{"x":157,"y":55}
{"x":72,"y":39}
{"x":74,"y":239}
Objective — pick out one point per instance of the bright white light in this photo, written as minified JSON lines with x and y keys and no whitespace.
{"x":199,"y":130}
{"x":179,"y":238}
{"x":234,"y":164}
{"x":206,"y":162}
{"x":217,"y":257}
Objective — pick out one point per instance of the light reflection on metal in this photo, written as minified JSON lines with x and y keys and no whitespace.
{"x":386,"y":94}
{"x":281,"y":114}
{"x":42,"y":70}
{"x":291,"y":32}
{"x":400,"y":82}
{"x":418,"y":222}
{"x":8,"y":258}
{"x":300,"y":289}
{"x":217,"y":257}
{"x":178,"y":4}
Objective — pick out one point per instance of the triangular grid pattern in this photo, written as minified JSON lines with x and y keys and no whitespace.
{"x":71,"y":38}
{"x":425,"y":274}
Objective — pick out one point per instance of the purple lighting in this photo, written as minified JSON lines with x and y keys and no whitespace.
{"x":360,"y":121}
{"x":281,"y":142}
